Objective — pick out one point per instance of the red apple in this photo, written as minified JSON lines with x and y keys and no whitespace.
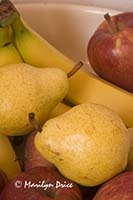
{"x":110,"y":50}
{"x":51,"y":185}
{"x":3,"y":180}
{"x":32,"y":157}
{"x":118,"y":188}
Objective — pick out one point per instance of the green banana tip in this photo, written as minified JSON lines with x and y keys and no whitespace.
{"x":8,"y":20}
{"x":8,"y":13}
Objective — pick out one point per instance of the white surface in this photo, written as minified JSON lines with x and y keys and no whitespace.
{"x":125,"y":5}
{"x":67,"y":27}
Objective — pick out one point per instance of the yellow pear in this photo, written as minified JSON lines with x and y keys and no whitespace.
{"x":7,"y":158}
{"x":88,"y":144}
{"x":25,"y":89}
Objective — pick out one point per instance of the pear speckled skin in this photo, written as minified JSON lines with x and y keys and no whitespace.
{"x":26,"y":89}
{"x":88,"y":144}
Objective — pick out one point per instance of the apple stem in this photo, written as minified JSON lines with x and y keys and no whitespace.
{"x":75,"y":69}
{"x":113,"y":27}
{"x":34,"y":122}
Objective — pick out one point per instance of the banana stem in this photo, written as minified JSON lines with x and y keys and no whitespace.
{"x":113,"y":27}
{"x":75,"y":69}
{"x":8,"y":13}
{"x":1,"y":1}
{"x":34,"y":122}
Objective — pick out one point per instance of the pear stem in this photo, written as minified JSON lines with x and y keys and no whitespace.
{"x":17,"y":140}
{"x":113,"y":27}
{"x":75,"y":69}
{"x":34,"y":122}
{"x":21,"y":161}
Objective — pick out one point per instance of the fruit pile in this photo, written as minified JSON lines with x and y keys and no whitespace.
{"x":56,"y":143}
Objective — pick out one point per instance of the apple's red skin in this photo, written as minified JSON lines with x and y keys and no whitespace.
{"x":32,"y":157}
{"x":10,"y":192}
{"x":111,"y":60}
{"x":118,"y":188}
{"x":3,"y":180}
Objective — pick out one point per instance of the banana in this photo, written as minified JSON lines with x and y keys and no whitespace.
{"x":7,"y":158}
{"x":8,"y":52}
{"x":34,"y":49}
{"x":58,"y":110}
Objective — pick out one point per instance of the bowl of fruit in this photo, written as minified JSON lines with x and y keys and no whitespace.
{"x":60,"y":139}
